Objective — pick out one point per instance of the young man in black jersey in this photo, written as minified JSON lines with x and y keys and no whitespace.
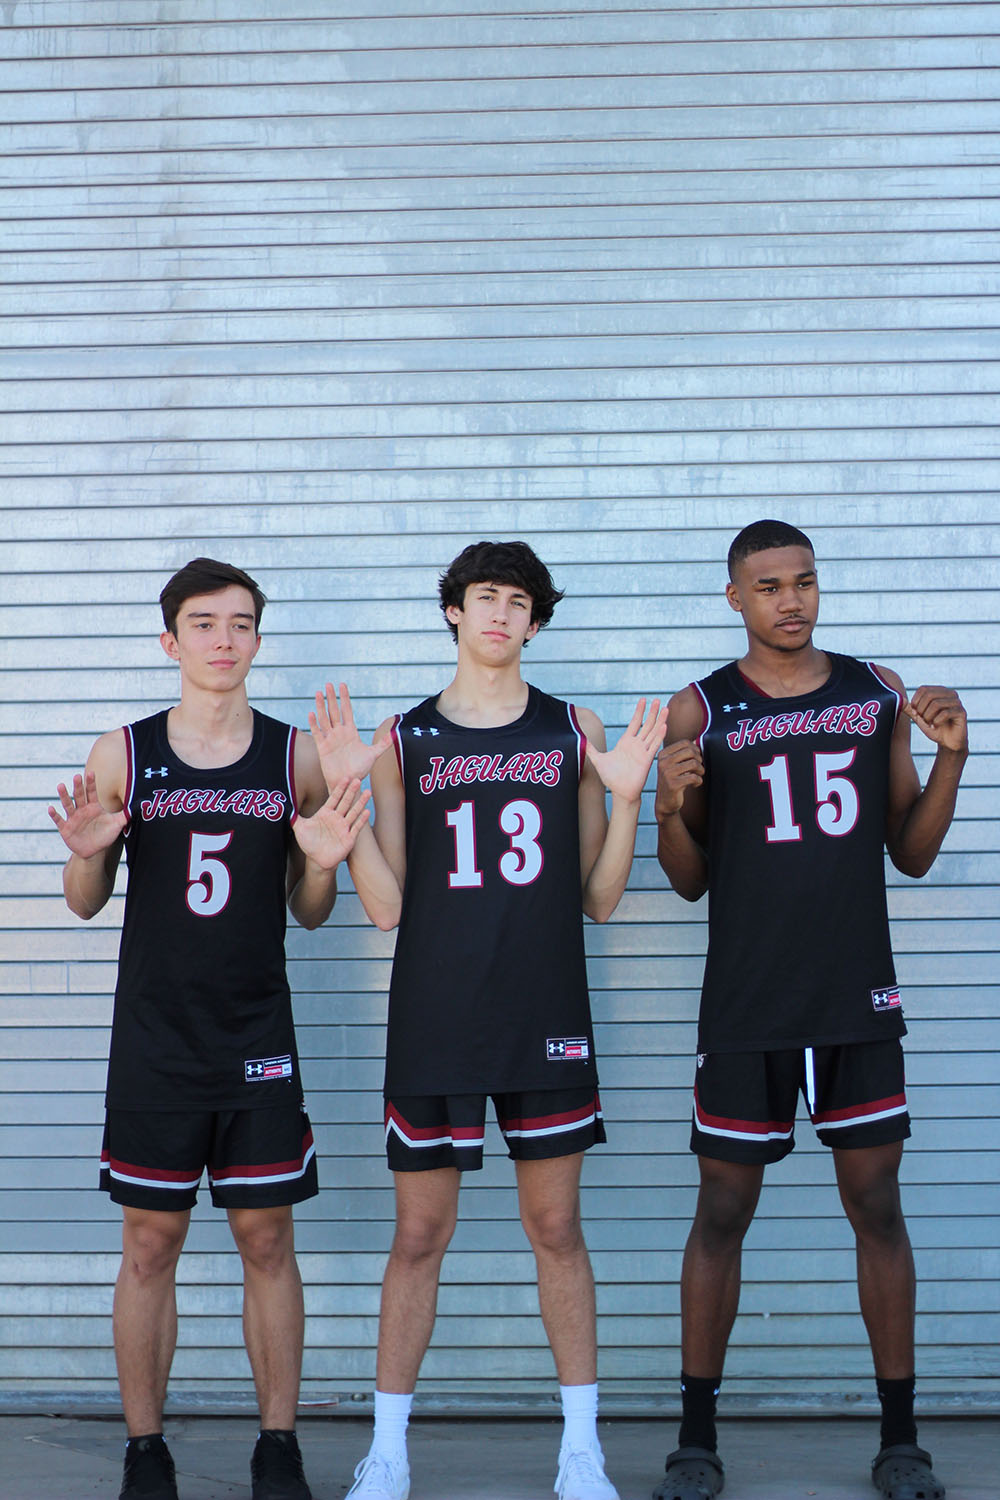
{"x":491,"y":839}
{"x":222,"y":813}
{"x":784,"y":776}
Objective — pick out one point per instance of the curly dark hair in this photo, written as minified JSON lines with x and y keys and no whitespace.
{"x":512,"y":563}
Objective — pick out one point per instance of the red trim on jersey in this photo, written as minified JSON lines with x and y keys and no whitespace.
{"x":873,"y":669}
{"x":129,"y":772}
{"x":752,"y":1128}
{"x":397,"y":743}
{"x":290,"y":772}
{"x":750,"y":683}
{"x":894,"y":1104}
{"x":706,"y":715}
{"x":581,"y":737}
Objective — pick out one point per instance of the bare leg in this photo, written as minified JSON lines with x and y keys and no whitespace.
{"x":273,"y":1311}
{"x":145,"y":1313}
{"x":711,"y":1273}
{"x":868,"y":1180}
{"x":549,"y":1199}
{"x":426,"y":1213}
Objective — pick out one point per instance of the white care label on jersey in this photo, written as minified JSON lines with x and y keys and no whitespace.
{"x":567,"y":1048}
{"x":887,"y":999}
{"x":265,"y":1069}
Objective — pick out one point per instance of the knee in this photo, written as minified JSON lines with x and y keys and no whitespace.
{"x":724,"y":1214}
{"x":421,"y":1237}
{"x":874,"y":1209}
{"x":151,"y":1247}
{"x":266,"y":1246}
{"x":552,"y":1230}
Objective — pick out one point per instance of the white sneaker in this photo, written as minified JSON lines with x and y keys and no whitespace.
{"x":379,"y":1478}
{"x":581,"y":1476}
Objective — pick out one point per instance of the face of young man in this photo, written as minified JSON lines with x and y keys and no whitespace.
{"x":777,"y":594}
{"x":215,"y":639}
{"x":494,"y":621}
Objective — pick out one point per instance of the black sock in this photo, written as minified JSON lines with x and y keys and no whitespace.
{"x":896,"y":1397}
{"x":698,"y":1419}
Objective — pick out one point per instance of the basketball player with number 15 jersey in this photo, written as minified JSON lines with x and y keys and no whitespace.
{"x":784,"y":777}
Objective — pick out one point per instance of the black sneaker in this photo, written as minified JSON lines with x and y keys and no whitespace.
{"x":149,"y":1470}
{"x":276,"y":1468}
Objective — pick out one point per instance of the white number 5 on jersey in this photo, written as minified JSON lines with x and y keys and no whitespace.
{"x":209,"y":881}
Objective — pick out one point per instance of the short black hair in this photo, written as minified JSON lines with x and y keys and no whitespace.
{"x":203,"y":575}
{"x":512,"y":563}
{"x":760,"y":536}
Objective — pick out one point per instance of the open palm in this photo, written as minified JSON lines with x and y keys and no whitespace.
{"x":328,"y":836}
{"x":342,"y":751}
{"x":624,"y":768}
{"x":88,"y":828}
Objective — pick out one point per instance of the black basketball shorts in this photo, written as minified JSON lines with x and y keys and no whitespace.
{"x":447,"y":1130}
{"x":745,"y":1102}
{"x":256,"y":1158}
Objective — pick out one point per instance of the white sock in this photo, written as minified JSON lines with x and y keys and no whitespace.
{"x":579,"y":1407}
{"x":392,"y":1412}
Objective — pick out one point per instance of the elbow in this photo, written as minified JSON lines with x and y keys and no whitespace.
{"x":599,"y":911}
{"x":689,"y":890}
{"x":385,"y":921}
{"x":913,"y":866}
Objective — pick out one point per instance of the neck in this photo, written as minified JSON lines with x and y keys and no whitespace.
{"x":785,"y":673}
{"x":480,"y":695}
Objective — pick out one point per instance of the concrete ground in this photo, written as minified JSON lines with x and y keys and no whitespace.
{"x":71,"y":1458}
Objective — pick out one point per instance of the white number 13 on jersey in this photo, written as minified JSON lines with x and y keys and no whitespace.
{"x":836,"y":797}
{"x":519,"y":865}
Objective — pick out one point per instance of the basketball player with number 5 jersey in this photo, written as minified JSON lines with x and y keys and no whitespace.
{"x":785,"y":776}
{"x":222,"y":812}
{"x":491,"y":840}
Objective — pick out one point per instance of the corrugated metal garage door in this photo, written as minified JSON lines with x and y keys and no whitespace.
{"x":333,"y":297}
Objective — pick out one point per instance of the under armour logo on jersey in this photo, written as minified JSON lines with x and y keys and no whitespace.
{"x":418,"y":731}
{"x":152,"y":771}
{"x":727,"y":708}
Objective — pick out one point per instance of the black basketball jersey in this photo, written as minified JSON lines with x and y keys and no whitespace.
{"x":797,"y":790}
{"x":203,"y":1015}
{"x":489,"y":983}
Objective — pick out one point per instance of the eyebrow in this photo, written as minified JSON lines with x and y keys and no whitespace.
{"x":809,"y":573}
{"x":209,"y":614}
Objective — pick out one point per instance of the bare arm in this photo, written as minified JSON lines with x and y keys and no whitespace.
{"x":681,"y":806}
{"x":917,"y":821}
{"x":91,"y":826}
{"x":324,"y":831}
{"x":607,"y":845}
{"x":378,"y":860}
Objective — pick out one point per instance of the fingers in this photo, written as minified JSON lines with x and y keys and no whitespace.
{"x":933,"y":704}
{"x":681,"y":763}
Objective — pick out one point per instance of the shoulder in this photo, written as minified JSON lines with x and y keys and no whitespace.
{"x":889,"y":677}
{"x":590,"y":724}
{"x":109,"y":762}
{"x":685,"y":714}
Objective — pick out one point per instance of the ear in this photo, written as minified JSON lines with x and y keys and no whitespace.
{"x":532,"y":630}
{"x":256,"y":647}
{"x":453,"y":614}
{"x":733,"y":597}
{"x":169,"y":643}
